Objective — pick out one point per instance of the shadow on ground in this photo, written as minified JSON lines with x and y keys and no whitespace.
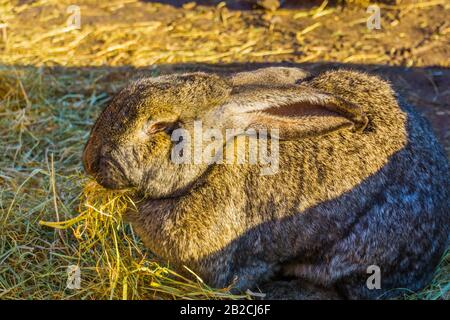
{"x":251,"y":4}
{"x":239,"y":4}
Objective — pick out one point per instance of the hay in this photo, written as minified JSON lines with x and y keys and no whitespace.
{"x":123,"y":265}
{"x":162,"y":35}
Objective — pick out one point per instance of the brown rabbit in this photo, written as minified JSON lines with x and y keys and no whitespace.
{"x":361,"y":181}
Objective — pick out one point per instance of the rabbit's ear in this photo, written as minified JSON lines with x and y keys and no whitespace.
{"x":269,"y":76}
{"x":304,"y":112}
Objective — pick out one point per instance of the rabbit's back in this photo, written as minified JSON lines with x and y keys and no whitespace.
{"x":404,"y":229}
{"x":346,"y":201}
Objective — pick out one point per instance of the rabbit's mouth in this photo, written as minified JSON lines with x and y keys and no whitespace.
{"x":111,"y":184}
{"x":111,"y":175}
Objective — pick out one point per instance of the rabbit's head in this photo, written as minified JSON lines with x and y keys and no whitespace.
{"x":131,"y":142}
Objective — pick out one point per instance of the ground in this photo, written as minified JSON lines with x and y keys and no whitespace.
{"x":56,"y":77}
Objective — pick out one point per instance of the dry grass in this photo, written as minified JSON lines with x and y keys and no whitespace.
{"x":51,"y":216}
{"x":120,"y":260}
{"x":145,"y":34}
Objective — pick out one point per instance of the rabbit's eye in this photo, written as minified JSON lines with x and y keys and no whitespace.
{"x":166,"y":126}
{"x":156,"y":127}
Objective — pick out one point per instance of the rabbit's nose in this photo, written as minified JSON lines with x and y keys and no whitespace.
{"x":90,"y":158}
{"x":111,"y":173}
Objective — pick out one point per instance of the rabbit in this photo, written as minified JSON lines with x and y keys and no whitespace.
{"x":361,"y":183}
